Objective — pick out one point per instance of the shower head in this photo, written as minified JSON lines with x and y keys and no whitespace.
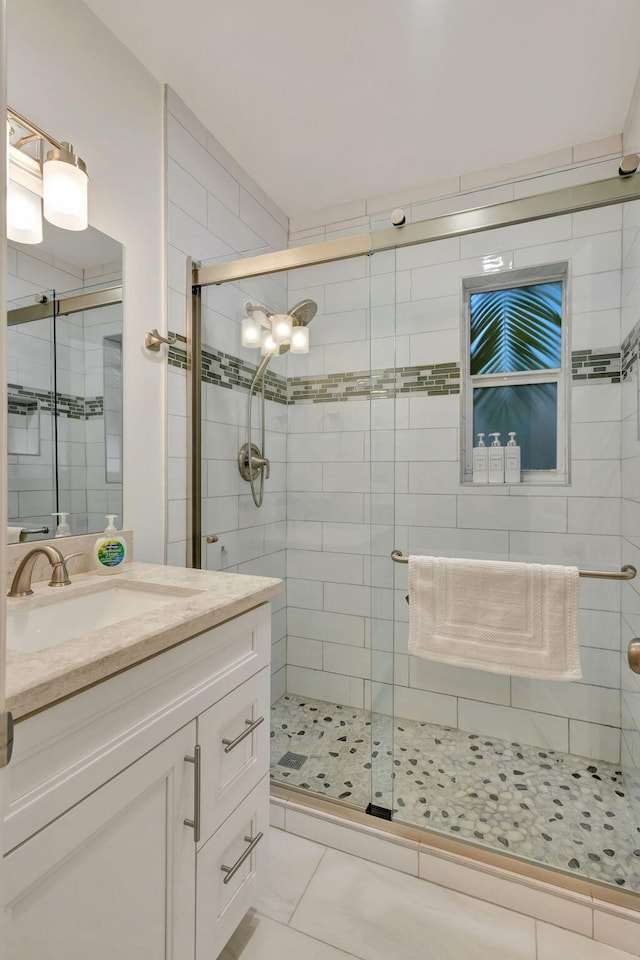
{"x":303,"y":312}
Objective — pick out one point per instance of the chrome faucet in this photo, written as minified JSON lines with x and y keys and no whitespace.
{"x":21,"y":586}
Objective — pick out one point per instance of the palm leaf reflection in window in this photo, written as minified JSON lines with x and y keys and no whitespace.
{"x":516,"y":329}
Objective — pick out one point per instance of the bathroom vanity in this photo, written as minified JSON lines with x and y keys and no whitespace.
{"x":137,"y":803}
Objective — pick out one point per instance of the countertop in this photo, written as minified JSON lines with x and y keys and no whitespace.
{"x":38,"y":679}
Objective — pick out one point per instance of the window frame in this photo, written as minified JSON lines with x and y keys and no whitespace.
{"x":561,"y":376}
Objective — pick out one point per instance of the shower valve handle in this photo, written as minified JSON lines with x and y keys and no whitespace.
{"x":260,"y":463}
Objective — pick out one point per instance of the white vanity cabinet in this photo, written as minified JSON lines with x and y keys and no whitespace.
{"x":137,"y":810}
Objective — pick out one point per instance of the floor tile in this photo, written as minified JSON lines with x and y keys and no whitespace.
{"x":376,"y":913}
{"x":290,"y":865}
{"x":557,"y":944}
{"x":259,"y":938}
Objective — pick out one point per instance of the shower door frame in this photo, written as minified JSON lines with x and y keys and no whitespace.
{"x":568,"y":200}
{"x":585,"y":196}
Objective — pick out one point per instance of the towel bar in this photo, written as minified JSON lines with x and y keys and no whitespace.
{"x":628,"y":572}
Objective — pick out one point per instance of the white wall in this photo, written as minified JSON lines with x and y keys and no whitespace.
{"x":215,"y":209}
{"x":71,"y":76}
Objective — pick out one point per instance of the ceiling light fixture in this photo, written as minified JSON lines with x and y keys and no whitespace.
{"x":60,"y":179}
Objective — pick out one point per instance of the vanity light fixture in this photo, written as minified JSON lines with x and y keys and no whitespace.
{"x":59,"y":179}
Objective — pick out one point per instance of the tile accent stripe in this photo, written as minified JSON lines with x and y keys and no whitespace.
{"x":603,"y":365}
{"x":74,"y":408}
{"x":630,"y":350}
{"x":440,"y":379}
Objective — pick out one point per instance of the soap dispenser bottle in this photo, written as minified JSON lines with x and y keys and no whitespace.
{"x":512,"y":472}
{"x":496,"y":460}
{"x":63,"y":529}
{"x":480,"y":461}
{"x":110,"y":551}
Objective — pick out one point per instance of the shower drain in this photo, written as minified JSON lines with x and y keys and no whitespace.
{"x":293,"y":761}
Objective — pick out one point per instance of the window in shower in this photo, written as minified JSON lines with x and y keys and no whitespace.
{"x":514,"y":367}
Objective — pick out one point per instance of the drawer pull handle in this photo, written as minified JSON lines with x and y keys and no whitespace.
{"x":230,"y":745}
{"x":231,"y":871}
{"x":197,"y":782}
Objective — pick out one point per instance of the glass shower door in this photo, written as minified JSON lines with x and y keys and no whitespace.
{"x":325,"y":499}
{"x":539,"y":769}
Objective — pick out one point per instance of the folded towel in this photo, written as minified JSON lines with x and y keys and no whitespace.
{"x":13,"y":534}
{"x":516,"y":618}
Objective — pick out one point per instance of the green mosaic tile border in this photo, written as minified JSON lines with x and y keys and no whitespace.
{"x":438,"y":379}
{"x":72,"y":407}
{"x":603,"y":366}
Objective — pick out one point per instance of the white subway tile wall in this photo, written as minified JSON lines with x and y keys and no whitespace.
{"x":215,"y":209}
{"x":341,"y":505}
{"x":352,"y":480}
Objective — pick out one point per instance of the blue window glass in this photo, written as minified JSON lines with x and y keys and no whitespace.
{"x":529,"y":409}
{"x":516,"y":329}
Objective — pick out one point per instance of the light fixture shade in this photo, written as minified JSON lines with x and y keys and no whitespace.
{"x":251,"y":333}
{"x":24,"y":214}
{"x":268,"y":344}
{"x":300,"y":340}
{"x":281,"y":327}
{"x":65,"y":190}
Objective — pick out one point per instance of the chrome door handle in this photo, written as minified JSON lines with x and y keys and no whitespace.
{"x":633,"y":654}
{"x":197,"y":783}
{"x":231,"y":871}
{"x":230,"y":745}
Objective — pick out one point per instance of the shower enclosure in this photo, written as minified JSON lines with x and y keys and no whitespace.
{"x":369,"y":439}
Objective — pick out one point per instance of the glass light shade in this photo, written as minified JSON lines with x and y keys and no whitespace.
{"x":65,"y":195}
{"x":24,"y":214}
{"x":281,"y":327}
{"x":300,"y":340}
{"x":268,"y":344}
{"x":251,"y":333}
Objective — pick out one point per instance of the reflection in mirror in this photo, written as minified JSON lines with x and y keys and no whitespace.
{"x":64,"y":373}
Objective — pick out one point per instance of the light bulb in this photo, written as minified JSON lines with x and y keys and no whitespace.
{"x":300,"y":340}
{"x":268,"y":344}
{"x":281,"y":327}
{"x":64,"y":185}
{"x":24,"y":214}
{"x":251,"y":333}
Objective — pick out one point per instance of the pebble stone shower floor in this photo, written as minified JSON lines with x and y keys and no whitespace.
{"x":579,"y":815}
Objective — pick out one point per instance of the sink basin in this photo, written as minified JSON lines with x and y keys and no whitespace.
{"x":68,"y":617}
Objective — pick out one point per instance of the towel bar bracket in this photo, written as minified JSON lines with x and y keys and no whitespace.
{"x":628,"y":572}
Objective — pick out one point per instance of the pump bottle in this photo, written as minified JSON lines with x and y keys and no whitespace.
{"x":480,"y":461}
{"x":63,"y":529}
{"x":496,"y":460}
{"x":110,"y":551}
{"x":512,"y":472}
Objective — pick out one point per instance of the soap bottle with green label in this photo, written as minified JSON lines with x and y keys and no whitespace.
{"x":110,"y":551}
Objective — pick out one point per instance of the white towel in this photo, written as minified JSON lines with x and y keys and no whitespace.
{"x":515,"y":618}
{"x":13,"y":534}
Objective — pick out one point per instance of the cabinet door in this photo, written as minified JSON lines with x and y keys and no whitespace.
{"x":234,"y":739}
{"x":115,"y":875}
{"x":230,"y":870}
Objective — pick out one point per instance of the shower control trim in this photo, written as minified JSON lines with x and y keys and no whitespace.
{"x":633,"y":654}
{"x":251,"y":464}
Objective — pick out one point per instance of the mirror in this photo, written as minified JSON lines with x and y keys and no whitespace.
{"x":64,"y":373}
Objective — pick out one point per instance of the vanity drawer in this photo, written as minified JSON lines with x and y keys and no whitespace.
{"x":230,"y":869}
{"x":234,"y":740}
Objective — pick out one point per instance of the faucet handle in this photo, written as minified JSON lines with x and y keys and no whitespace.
{"x":72,"y":556}
{"x":60,"y":574}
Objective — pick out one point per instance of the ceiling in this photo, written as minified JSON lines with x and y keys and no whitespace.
{"x":336,"y":100}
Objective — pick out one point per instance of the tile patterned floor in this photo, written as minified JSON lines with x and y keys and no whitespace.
{"x":578,"y":815}
{"x":321,"y":904}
